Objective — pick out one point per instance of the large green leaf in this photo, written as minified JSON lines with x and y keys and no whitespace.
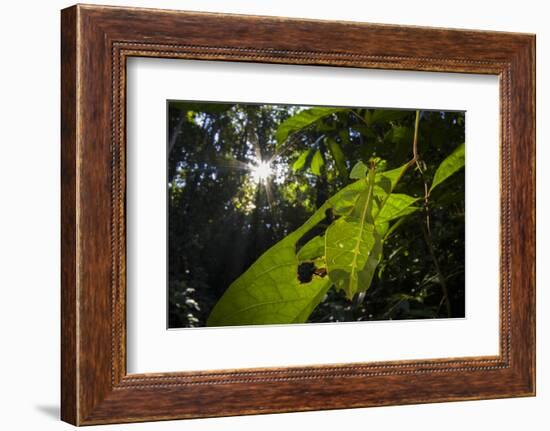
{"x":353,"y":246}
{"x":353,"y":253}
{"x":302,"y":120}
{"x":449,"y":166}
{"x":353,"y":243}
{"x":269,"y":291}
{"x":313,"y":249}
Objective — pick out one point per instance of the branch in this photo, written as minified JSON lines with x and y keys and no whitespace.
{"x":426,"y":230}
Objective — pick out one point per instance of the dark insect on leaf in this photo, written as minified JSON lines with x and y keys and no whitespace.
{"x":320,"y":272}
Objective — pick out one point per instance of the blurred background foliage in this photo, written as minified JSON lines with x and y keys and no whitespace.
{"x":233,"y":192}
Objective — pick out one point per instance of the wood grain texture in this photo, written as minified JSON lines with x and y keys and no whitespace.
{"x":96,"y":41}
{"x":69,"y":397}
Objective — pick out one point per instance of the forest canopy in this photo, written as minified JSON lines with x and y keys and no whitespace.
{"x":298,"y":214}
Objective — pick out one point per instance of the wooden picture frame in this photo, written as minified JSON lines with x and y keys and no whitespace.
{"x":95,"y":43}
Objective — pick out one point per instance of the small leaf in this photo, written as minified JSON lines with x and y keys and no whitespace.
{"x":338,"y":156}
{"x":358,"y":171}
{"x":302,"y":120}
{"x":300,"y":162}
{"x":317,"y":163}
{"x":387,"y":180}
{"x":449,"y":166}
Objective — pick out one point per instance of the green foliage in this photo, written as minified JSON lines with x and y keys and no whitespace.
{"x":359,"y":170}
{"x":396,"y":206}
{"x":449,"y":166}
{"x":317,"y":163}
{"x":312,"y":250}
{"x":303,"y":161}
{"x":301,"y":121}
{"x":270,"y":291}
{"x":386,"y":115}
{"x":353,"y":244}
{"x":339,"y":158}
{"x":243,"y":253}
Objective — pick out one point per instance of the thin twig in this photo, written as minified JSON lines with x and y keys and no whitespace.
{"x":426,"y":230}
{"x":440,"y":276}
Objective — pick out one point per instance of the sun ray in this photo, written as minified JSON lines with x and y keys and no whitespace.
{"x":261,"y":171}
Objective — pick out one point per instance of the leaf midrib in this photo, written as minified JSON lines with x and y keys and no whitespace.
{"x":362,"y":226}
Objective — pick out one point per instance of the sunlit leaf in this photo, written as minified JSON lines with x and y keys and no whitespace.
{"x":353,"y":252}
{"x":269,"y":291}
{"x":300,"y":162}
{"x":397,"y":205}
{"x":302,"y":120}
{"x":449,"y":166}
{"x":347,"y":200}
{"x":358,"y":171}
{"x":384,"y":184}
{"x":313,"y":249}
{"x":353,"y":246}
{"x":317,"y":162}
{"x":353,"y":243}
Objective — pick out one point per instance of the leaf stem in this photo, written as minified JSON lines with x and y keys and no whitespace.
{"x":415,"y":139}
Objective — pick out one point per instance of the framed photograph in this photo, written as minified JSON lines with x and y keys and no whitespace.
{"x":265,"y":215}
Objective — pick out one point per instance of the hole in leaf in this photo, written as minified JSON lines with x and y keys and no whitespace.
{"x":306,"y":271}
